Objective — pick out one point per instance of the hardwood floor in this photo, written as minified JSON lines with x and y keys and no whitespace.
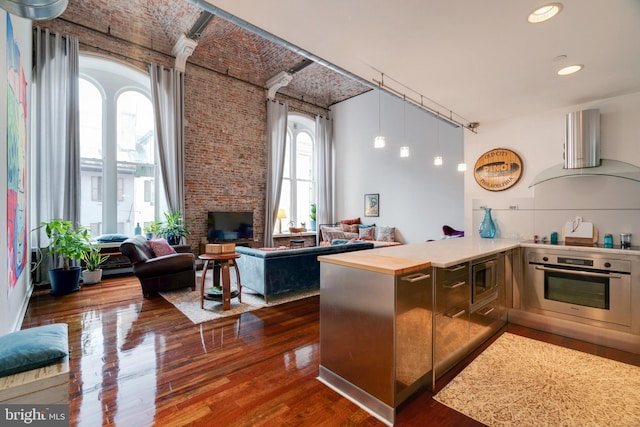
{"x":140,"y":362}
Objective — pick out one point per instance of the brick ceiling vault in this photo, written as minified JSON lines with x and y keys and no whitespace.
{"x":223,"y":46}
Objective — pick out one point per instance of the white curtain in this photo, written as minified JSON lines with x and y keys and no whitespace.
{"x":167,"y":93}
{"x":55,"y":137}
{"x":324,"y":171}
{"x":276,"y":143}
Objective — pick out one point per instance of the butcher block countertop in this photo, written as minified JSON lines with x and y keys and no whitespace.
{"x":406,"y":258}
{"x":379,"y":263}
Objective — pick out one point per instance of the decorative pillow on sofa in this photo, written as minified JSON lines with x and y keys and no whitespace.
{"x":324,"y":230}
{"x":386,"y":234}
{"x":351,"y":221}
{"x":33,"y":348}
{"x":350,"y":228}
{"x":367,"y":233}
{"x":160,"y":247}
{"x":331,"y":235}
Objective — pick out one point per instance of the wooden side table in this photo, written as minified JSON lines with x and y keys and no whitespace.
{"x":221,"y":263}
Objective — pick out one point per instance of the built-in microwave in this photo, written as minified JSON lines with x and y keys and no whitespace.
{"x":484,"y":280}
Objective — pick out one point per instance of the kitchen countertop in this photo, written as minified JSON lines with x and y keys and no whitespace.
{"x":413,"y":256}
{"x":445,"y":253}
{"x":376,"y":262}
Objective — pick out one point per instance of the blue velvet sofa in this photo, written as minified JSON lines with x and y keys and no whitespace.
{"x":279,"y":271}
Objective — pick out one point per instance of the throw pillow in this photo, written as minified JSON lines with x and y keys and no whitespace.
{"x":366,"y":233}
{"x":386,"y":234}
{"x":335,"y":242}
{"x":331,"y":235}
{"x":33,"y":348}
{"x":350,"y":228}
{"x":324,"y":230}
{"x":351,"y":221}
{"x":161,"y":247}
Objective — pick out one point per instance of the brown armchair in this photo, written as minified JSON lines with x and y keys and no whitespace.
{"x":161,"y":273}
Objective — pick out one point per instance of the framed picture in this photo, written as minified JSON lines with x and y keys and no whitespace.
{"x":371,"y":205}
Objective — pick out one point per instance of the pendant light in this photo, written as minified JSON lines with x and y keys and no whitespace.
{"x":379,"y":141}
{"x":437,"y":160}
{"x":404,"y":150}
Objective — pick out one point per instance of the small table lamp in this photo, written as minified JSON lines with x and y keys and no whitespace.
{"x":281,"y":214}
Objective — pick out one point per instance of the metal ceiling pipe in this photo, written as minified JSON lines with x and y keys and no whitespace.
{"x":287,"y":45}
{"x":277,"y":40}
{"x":35,"y":9}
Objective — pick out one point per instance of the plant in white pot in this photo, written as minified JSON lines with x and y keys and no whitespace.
{"x":152,"y":228}
{"x":67,"y":243}
{"x":92,"y":259}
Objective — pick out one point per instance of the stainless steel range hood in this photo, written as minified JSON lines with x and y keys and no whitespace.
{"x":582,"y":139}
{"x":582,"y":152}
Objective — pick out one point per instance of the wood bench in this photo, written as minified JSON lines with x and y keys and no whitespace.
{"x":46,"y":385}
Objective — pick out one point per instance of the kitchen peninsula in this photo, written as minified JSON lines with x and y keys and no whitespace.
{"x":379,"y":310}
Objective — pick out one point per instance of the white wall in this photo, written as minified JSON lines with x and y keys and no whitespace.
{"x":416,"y":197}
{"x":13,"y":303}
{"x":612,"y":204}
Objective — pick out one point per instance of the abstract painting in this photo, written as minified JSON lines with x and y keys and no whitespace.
{"x":16,"y":160}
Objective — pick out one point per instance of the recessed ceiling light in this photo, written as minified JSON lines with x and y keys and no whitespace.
{"x":545,"y":12}
{"x":570,"y":69}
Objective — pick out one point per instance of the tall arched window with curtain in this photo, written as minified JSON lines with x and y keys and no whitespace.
{"x":120,"y":186}
{"x":298,"y":181}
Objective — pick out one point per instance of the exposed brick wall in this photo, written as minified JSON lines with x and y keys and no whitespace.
{"x":225,"y":116}
{"x":225,"y":149}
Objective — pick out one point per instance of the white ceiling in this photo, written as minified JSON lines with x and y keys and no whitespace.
{"x":481,"y":59}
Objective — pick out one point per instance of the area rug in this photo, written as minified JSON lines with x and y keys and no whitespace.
{"x":188,"y":301}
{"x":519,"y":381}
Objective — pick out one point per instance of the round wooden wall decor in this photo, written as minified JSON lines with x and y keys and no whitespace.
{"x":498,"y":169}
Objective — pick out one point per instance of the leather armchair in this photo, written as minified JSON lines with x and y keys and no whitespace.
{"x":161,"y":273}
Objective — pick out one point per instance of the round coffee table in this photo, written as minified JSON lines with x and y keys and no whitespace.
{"x":221,"y":265}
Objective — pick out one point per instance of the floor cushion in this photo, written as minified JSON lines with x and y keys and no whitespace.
{"x":33,"y":348}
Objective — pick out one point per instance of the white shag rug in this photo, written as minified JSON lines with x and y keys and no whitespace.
{"x":519,"y":381}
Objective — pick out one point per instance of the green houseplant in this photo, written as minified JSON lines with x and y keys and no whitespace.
{"x":312,"y":217}
{"x":92,"y":260}
{"x":151,"y":229}
{"x":174,"y":228}
{"x":67,"y":244}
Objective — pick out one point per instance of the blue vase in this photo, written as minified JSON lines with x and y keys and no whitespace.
{"x":487,"y":228}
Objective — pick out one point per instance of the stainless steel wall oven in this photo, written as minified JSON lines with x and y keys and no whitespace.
{"x":591,"y":286}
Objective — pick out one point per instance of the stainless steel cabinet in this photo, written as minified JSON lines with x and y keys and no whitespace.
{"x":452,"y":301}
{"x":375,"y":334}
{"x":489,"y":316}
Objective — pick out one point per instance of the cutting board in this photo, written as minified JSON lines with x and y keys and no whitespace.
{"x":571,"y":239}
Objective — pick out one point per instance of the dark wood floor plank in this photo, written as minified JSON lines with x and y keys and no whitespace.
{"x":140,"y":362}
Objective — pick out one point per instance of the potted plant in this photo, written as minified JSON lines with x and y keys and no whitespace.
{"x":174,"y":228}
{"x":312,"y":217}
{"x":68,"y":244}
{"x":151,"y":229}
{"x":92,"y":260}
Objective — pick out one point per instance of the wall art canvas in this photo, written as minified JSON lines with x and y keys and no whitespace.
{"x":16,"y":160}
{"x":371,"y":205}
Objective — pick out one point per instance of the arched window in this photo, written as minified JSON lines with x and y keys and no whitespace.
{"x":120,"y":189}
{"x":298,"y":184}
